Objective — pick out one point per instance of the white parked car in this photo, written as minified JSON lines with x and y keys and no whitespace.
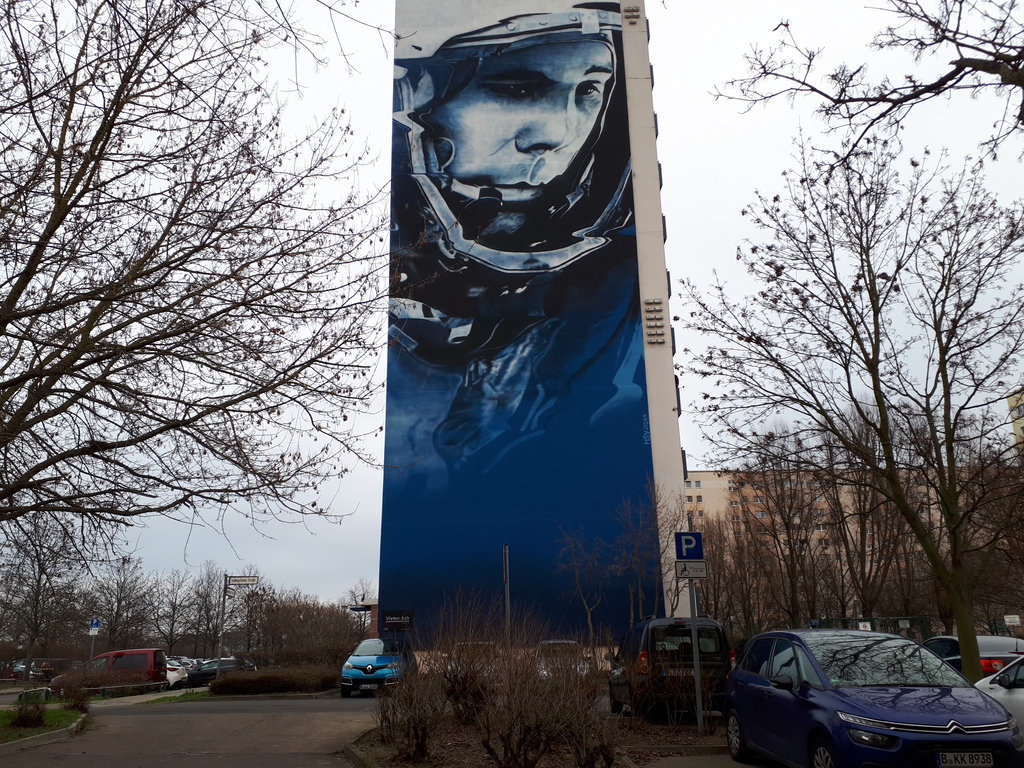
{"x":1007,"y":687}
{"x":177,"y":675}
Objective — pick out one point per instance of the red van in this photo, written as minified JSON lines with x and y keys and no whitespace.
{"x":149,"y":663}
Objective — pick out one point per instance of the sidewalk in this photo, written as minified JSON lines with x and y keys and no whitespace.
{"x":66,"y":733}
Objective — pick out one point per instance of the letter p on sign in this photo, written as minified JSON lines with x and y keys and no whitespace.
{"x":689,"y":546}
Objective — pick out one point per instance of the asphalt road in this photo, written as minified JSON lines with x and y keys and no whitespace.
{"x":252,"y":733}
{"x":236,"y":733}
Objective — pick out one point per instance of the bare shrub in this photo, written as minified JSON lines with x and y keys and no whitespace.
{"x":29,"y":713}
{"x":410,"y":712}
{"x":468,"y":638}
{"x":76,"y":698}
{"x":282,"y":680}
{"x":589,"y":734}
{"x":91,"y":681}
{"x":523,"y":694}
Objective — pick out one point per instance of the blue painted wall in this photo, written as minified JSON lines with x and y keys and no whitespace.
{"x":516,"y":404}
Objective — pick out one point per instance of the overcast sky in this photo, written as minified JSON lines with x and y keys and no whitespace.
{"x":713,"y":155}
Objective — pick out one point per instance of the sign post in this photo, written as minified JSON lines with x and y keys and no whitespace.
{"x":230,"y":582}
{"x":691,"y":565}
{"x":94,"y":629}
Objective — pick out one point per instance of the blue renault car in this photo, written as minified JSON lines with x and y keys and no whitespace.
{"x":820,"y":698}
{"x":376,"y":663}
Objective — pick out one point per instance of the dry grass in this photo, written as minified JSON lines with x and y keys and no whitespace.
{"x":458,"y":745}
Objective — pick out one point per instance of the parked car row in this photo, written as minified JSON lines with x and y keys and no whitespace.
{"x":151,"y":665}
{"x":42,"y":669}
{"x":996,"y":651}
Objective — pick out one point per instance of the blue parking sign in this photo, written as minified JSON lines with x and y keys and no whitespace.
{"x":94,"y":623}
{"x":689,"y":546}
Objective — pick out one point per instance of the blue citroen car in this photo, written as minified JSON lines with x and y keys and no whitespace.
{"x":819,"y":698}
{"x":376,"y":663}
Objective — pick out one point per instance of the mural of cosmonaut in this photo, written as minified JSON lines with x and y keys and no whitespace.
{"x":516,"y":407}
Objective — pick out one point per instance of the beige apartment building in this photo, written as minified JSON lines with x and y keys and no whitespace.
{"x":1015,"y":403}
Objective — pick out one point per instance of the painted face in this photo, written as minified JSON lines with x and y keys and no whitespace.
{"x":524,"y":116}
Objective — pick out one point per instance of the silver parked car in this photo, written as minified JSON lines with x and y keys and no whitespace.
{"x":1007,"y":687}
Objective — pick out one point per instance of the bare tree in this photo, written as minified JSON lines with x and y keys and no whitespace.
{"x":41,"y":568}
{"x":586,"y":561}
{"x":208,"y":586}
{"x":778,"y":501}
{"x":186,"y":293}
{"x":637,"y":557}
{"x":979,"y":44}
{"x":172,"y":607}
{"x":885,"y":307}
{"x":357,"y":595}
{"x":119,"y":596}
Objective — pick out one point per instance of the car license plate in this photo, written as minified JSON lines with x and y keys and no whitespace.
{"x":964,"y":758}
{"x":371,"y":686}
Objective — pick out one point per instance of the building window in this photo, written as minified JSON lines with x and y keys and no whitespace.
{"x":759,"y":499}
{"x":760,"y":513}
{"x":734,"y":503}
{"x":821,"y":527}
{"x":689,"y":499}
{"x":735,"y":518}
{"x":700,"y":513}
{"x":689,"y":484}
{"x":700,"y":499}
{"x":696,"y":483}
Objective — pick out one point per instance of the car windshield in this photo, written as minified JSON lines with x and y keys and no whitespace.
{"x":377,"y":647}
{"x":673,"y":642}
{"x":880,"y":660}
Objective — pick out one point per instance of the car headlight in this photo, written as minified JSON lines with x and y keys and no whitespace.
{"x":395,"y":665}
{"x":1016,"y":739}
{"x":872,"y":739}
{"x":347,"y":665}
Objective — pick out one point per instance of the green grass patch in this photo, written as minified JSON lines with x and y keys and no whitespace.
{"x":55,"y":720}
{"x":190,"y":696}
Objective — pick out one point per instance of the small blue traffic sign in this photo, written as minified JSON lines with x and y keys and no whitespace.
{"x":689,"y":546}
{"x":94,"y":623}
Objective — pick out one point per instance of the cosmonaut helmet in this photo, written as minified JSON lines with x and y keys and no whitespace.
{"x":576,"y":211}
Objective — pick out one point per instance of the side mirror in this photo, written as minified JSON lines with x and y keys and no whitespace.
{"x":1003,"y":681}
{"x":783,"y":682}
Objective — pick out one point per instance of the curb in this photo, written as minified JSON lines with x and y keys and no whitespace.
{"x":355,"y":756}
{"x":43,"y":738}
{"x":359,"y":759}
{"x":683,"y":749}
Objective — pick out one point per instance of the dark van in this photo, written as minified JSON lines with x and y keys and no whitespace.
{"x":654,"y":665}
